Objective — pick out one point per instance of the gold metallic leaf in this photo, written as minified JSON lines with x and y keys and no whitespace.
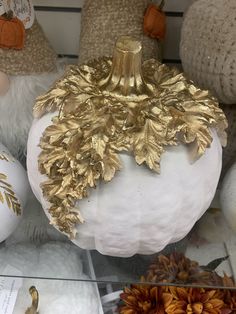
{"x":8,"y":195}
{"x":33,"y":309}
{"x":6,"y":157}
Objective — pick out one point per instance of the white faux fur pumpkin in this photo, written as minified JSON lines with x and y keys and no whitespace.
{"x":139,"y":211}
{"x":228,"y":197}
{"x":52,"y":260}
{"x":16,"y":109}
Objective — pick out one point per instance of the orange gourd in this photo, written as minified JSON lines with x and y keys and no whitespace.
{"x":12,"y":33}
{"x":154,"y":23}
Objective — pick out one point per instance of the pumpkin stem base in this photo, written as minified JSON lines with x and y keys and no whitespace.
{"x":126,"y":77}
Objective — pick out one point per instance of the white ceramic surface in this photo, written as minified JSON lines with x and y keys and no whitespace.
{"x":17,"y":178}
{"x":139,"y":211}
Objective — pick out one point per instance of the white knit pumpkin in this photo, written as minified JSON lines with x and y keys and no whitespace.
{"x":228,"y":197}
{"x":14,"y":189}
{"x":208,"y":47}
{"x":139,"y":211}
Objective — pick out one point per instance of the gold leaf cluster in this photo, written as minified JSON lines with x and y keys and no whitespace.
{"x":8,"y":195}
{"x":33,"y":309}
{"x":94,"y":126}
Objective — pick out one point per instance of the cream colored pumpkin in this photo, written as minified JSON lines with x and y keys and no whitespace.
{"x":14,"y":188}
{"x":138,"y":211}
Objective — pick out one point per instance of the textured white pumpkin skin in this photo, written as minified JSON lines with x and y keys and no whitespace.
{"x":139,"y":211}
{"x":17,"y":178}
{"x":228,"y":197}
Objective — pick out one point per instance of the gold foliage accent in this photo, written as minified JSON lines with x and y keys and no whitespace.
{"x":93,"y":126}
{"x":6,"y":157}
{"x":9,"y":196}
{"x":33,"y":309}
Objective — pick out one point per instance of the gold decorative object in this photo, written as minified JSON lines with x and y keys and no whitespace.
{"x":8,"y":195}
{"x":33,"y":309}
{"x":111,"y":106}
{"x":6,"y":157}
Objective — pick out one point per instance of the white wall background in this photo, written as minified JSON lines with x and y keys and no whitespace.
{"x":60,"y":20}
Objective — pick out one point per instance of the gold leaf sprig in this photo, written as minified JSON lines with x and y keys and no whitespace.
{"x":6,"y":157}
{"x":33,"y":309}
{"x":92,"y":127}
{"x":8,"y":195}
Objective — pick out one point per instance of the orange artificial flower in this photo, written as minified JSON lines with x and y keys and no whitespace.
{"x":195,"y":301}
{"x":142,"y":299}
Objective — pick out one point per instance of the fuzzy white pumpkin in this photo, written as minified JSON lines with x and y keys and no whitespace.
{"x":138,"y":211}
{"x":14,"y":189}
{"x":52,"y":260}
{"x":228,"y":197}
{"x":16,"y":109}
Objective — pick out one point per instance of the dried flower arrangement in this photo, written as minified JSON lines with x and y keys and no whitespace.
{"x":176,"y":268}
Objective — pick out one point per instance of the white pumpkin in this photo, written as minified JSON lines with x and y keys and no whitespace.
{"x":228,"y":197}
{"x":14,"y":188}
{"x":138,"y":211}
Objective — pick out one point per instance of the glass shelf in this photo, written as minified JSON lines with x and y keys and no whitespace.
{"x":42,"y":256}
{"x":37,"y":250}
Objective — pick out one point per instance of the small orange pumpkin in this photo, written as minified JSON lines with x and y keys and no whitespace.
{"x":12,"y":33}
{"x":154,"y":23}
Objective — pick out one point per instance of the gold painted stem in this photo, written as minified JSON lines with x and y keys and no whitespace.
{"x":126,"y":77}
{"x":35,"y":301}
